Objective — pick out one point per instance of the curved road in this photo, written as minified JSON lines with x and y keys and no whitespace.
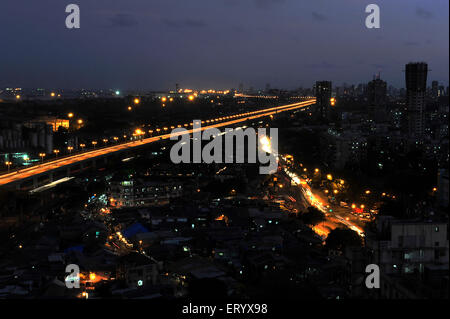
{"x":58,"y":163}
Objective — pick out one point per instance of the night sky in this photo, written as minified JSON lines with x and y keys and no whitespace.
{"x":153,"y":44}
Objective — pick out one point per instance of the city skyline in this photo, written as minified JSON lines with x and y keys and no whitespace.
{"x":221,"y":44}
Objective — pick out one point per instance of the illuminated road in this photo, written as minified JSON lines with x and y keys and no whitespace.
{"x":336,"y":216}
{"x":88,"y":155}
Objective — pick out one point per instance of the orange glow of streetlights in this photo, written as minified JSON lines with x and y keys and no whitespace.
{"x":70,"y":115}
{"x":80,"y":121}
{"x":56,"y":152}
{"x":164,"y":99}
{"x":137,"y":101}
{"x":52,"y":94}
{"x":82,"y":146}
{"x":191,"y":97}
{"x":367,"y":192}
{"x":18,"y":97}
{"x":330,"y":177}
{"x":94,"y":143}
{"x":353,"y":206}
{"x":129,"y":108}
{"x":42,"y":155}
{"x":70,"y":148}
{"x":92,"y":276}
{"x":7,"y":163}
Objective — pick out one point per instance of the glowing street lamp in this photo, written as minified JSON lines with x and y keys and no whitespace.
{"x":70,"y":115}
{"x":82,"y":146}
{"x":56,"y":152}
{"x":115,"y":138}
{"x":7,"y":163}
{"x":18,"y":97}
{"x":70,"y":148}
{"x":191,"y":97}
{"x":94,"y":143}
{"x":137,"y":101}
{"x":330,"y":177}
{"x":42,"y":155}
{"x":80,"y":121}
{"x":53,"y":94}
{"x":105,"y":140}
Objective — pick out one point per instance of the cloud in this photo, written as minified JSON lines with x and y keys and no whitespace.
{"x":410,"y":43}
{"x":318,"y":16}
{"x":123,"y":20}
{"x":267,"y":3}
{"x":323,"y":65}
{"x":424,"y":14}
{"x":192,"y":23}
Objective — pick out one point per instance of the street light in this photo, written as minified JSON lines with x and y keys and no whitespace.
{"x":94,"y":143}
{"x":70,"y":148}
{"x":137,"y":101}
{"x":330,"y":177}
{"x":56,"y":152}
{"x":115,"y":138}
{"x":82,"y":146}
{"x":42,"y":155}
{"x":105,"y":140}
{"x":7,"y":163}
{"x":70,"y":115}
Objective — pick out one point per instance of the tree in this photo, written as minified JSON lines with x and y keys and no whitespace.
{"x":312,"y":216}
{"x":340,"y":238}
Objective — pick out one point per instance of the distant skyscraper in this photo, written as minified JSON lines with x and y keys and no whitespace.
{"x":323,"y":96}
{"x":377,"y":99}
{"x":434,"y":89}
{"x":416,"y":86}
{"x":376,"y":92}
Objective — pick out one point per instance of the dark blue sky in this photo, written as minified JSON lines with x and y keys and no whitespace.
{"x":153,"y":44}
